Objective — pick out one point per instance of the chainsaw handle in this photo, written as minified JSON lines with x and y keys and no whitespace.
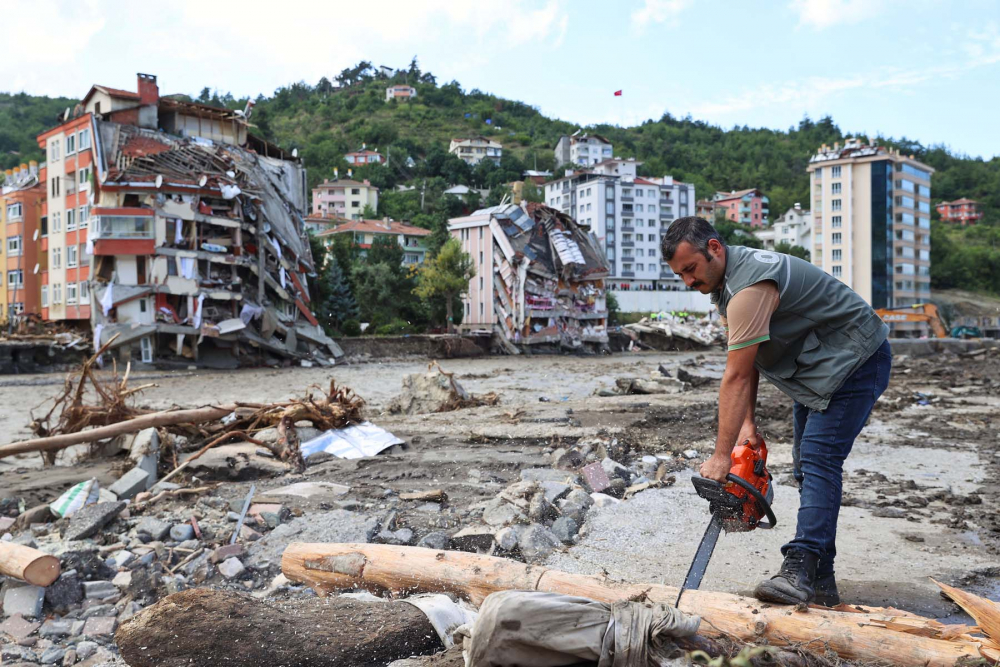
{"x":761,"y":501}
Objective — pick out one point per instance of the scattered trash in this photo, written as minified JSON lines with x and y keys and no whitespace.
{"x":352,"y":442}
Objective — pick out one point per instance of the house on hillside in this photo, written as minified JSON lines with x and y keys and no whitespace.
{"x":402,"y":93}
{"x":363,"y":157}
{"x":540,"y":278}
{"x":794,"y":227}
{"x":476,"y":149}
{"x":412,"y":239}
{"x":583,"y":150}
{"x":344,"y":198}
{"x":747,"y":207}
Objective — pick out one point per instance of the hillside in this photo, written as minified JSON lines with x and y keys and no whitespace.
{"x":329,"y":119}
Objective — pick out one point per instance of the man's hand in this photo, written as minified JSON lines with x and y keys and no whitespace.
{"x":749,"y":432}
{"x":717,"y":467}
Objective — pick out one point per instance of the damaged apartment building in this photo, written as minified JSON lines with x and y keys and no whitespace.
{"x":185,"y":231}
{"x":540,"y":279}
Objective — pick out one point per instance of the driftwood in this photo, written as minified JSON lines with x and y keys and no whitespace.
{"x":885,"y":635}
{"x":204,"y":628}
{"x":27,"y":564}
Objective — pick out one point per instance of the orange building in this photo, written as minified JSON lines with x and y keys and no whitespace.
{"x":960,"y":211}
{"x":22,"y":203}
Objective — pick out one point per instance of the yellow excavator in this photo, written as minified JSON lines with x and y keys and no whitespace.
{"x":918,"y":312}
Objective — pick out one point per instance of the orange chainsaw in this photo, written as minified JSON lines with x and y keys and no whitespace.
{"x":737,"y":506}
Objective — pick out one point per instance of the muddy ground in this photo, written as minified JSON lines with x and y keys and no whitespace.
{"x":920,"y":487}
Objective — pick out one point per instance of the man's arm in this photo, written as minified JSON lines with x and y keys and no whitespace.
{"x":737,"y":398}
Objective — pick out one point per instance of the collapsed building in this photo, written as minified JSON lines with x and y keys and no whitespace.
{"x":196,"y":237}
{"x":540,"y":278}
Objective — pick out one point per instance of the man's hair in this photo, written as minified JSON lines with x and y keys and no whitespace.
{"x":696,"y":231}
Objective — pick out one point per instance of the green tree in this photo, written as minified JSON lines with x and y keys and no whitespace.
{"x":446,"y":276}
{"x":368,"y":213}
{"x":376,"y":291}
{"x":385,"y":249}
{"x":530,"y":192}
{"x":793,"y":250}
{"x":338,"y":304}
{"x":733,"y":233}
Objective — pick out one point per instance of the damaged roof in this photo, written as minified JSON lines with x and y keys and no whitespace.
{"x":552,"y":240}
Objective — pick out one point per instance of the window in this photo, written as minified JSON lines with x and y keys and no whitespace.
{"x":57,"y":293}
{"x":651,"y":238}
{"x":904,"y":201}
{"x":355,"y":191}
{"x":146,"y":345}
{"x":652,"y":252}
{"x":836,"y":222}
{"x":14,"y":246}
{"x":45,"y":296}
{"x":640,"y":252}
{"x":638,"y":192}
{"x":14,"y":212}
{"x":70,"y":144}
{"x":836,"y":238}
{"x":71,"y":294}
{"x":82,"y":216}
{"x":837,"y":272}
{"x":652,"y":193}
{"x":57,"y":258}
{"x":836,"y":171}
{"x":626,"y":192}
{"x":43,"y":226}
{"x":85,"y":295}
{"x":70,"y":219}
{"x":638,"y":208}
{"x":837,"y":255}
{"x":56,"y":222}
{"x":83,"y":140}
{"x":835,"y":204}
{"x":71,"y":256}
{"x":835,"y":188}
{"x":913,"y":171}
{"x":83,"y":177}
{"x":55,"y":186}
{"x":640,"y":267}
{"x":15,"y":278}
{"x":54,"y":151}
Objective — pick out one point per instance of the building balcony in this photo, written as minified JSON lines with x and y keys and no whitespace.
{"x":628,"y":228}
{"x":610,"y":243}
{"x":628,"y":244}
{"x":668,"y":276}
{"x":627,"y":198}
{"x":628,"y":274}
{"x":666,"y":215}
{"x":122,"y":223}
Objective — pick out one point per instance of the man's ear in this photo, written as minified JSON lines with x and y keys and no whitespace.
{"x":715,"y":247}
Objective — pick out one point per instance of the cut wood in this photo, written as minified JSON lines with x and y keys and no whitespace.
{"x":876,"y":635}
{"x":27,"y":564}
{"x":156,"y":419}
{"x":204,"y":628}
{"x":434,"y":495}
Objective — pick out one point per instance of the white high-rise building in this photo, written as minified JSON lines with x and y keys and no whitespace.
{"x":583,"y":150}
{"x":628,"y":214}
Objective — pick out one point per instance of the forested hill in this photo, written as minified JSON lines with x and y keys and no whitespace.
{"x":328,"y":119}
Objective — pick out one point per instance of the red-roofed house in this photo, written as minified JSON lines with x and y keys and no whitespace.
{"x":962,"y":211}
{"x":748,"y":207}
{"x":363,"y":157}
{"x":412,"y":239}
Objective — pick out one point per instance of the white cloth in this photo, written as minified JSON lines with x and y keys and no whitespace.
{"x":97,"y":336}
{"x":178,"y":231}
{"x":229,"y":191}
{"x":535,"y":629}
{"x":90,"y":246}
{"x":186,"y":267}
{"x":277,"y":248}
{"x":250,"y":312}
{"x":108,"y":300}
{"x":197,"y":311}
{"x":281,"y":274}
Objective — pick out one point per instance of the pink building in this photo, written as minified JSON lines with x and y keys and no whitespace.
{"x":748,"y":207}
{"x":344,"y":198}
{"x":364,"y":157}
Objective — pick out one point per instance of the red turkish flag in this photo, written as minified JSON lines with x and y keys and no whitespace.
{"x":618,"y":93}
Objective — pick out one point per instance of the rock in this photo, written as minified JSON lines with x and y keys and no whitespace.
{"x":271,"y":519}
{"x":99,"y":590}
{"x":595,"y":478}
{"x":18,"y":627}
{"x":142,"y":583}
{"x":89,"y":519}
{"x":24,"y":600}
{"x":226,"y":552}
{"x":248,"y":534}
{"x":86,"y":561}
{"x":617,"y":488}
{"x":614,"y":469}
{"x":55,"y":628}
{"x":432,"y":391}
{"x":889,"y":513}
{"x":130,"y":610}
{"x":122,"y":558}
{"x":499,"y":512}
{"x":69,"y":658}
{"x":435,"y":540}
{"x":311,"y":490}
{"x":401,"y":537}
{"x":52,"y":655}
{"x":565,"y":529}
{"x":122,"y":580}
{"x":11,"y":654}
{"x":547,"y":475}
{"x":476,"y":539}
{"x":690,"y":454}
{"x":100,"y":626}
{"x":537,"y":543}
{"x":570,"y":460}
{"x":99,"y":610}
{"x":231,"y":568}
{"x":541,"y":510}
{"x":64,"y":592}
{"x":602,"y":500}
{"x":235,"y":462}
{"x":554,"y":490}
{"x":6,"y":523}
{"x":130,"y":484}
{"x":333,"y":526}
{"x":508,"y":538}
{"x":85,"y":649}
{"x":157,"y":529}
{"x":181,"y":532}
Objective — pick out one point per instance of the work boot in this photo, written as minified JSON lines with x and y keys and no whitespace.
{"x":795,"y":581}
{"x":826,"y":591}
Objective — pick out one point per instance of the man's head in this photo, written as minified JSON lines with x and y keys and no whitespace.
{"x":696,"y":253}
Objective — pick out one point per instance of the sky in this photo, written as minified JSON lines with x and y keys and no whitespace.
{"x":928,"y":70}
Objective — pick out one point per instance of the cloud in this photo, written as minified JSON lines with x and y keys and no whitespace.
{"x":658,"y":11}
{"x":822,"y":14}
{"x":983,"y":45}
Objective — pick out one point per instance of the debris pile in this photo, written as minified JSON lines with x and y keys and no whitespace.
{"x":435,"y":391}
{"x":670,"y":332}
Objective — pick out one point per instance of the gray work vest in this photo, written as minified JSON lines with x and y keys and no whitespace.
{"x":821,"y":332}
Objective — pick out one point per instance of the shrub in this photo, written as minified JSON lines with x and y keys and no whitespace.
{"x":351,"y":328}
{"x":395,"y":327}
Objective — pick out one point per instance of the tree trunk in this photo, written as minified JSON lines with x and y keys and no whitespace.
{"x":875,"y":635}
{"x":204,"y":628}
{"x":448,"y":312}
{"x":27,"y":564}
{"x":165,"y":418}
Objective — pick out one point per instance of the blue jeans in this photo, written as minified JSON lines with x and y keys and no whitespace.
{"x":822,"y":442}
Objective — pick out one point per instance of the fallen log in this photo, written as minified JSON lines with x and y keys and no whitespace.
{"x":27,"y":564}
{"x":876,"y":635}
{"x":202,"y":627}
{"x":156,"y":419}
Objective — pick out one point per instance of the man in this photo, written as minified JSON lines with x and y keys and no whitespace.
{"x":817,"y":341}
